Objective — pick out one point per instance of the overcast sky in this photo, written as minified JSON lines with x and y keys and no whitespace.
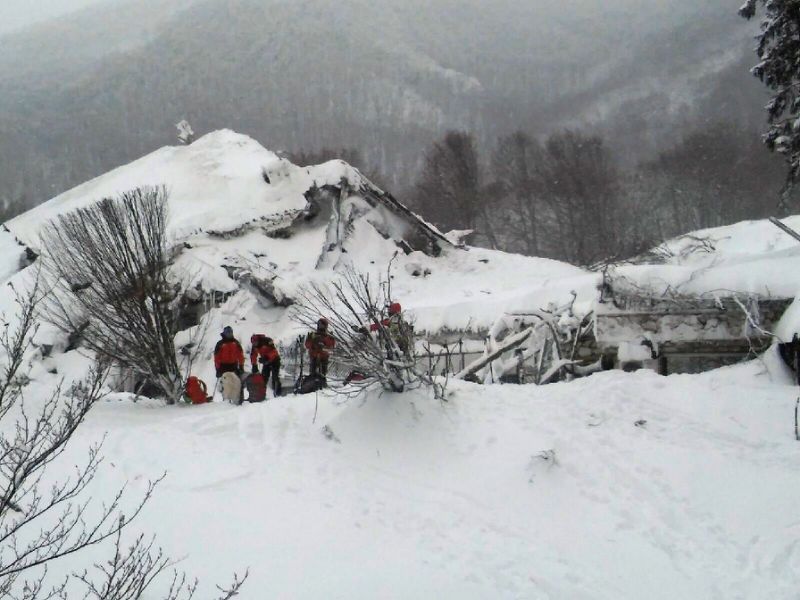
{"x":15,"y":14}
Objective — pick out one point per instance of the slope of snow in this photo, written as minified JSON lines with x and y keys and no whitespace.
{"x":405,"y":497}
{"x":752,"y":257}
{"x":617,"y":486}
{"x":214,"y":184}
{"x":11,"y":253}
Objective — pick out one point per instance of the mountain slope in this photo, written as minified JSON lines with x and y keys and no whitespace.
{"x":383,"y":77}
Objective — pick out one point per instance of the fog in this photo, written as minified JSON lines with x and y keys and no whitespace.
{"x":17,"y":14}
{"x":377,"y":81}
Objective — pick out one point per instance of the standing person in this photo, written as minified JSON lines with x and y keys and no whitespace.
{"x":263,"y":351}
{"x":229,"y":363}
{"x":319,"y":344}
{"x":397,"y":327}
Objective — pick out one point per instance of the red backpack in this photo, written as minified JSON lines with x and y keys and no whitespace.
{"x":256,"y":387}
{"x":196,"y":391}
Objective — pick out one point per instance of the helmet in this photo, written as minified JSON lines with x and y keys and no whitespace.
{"x":227,"y":333}
{"x":322,"y":323}
{"x":395,"y":308}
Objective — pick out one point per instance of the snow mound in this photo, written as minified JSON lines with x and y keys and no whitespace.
{"x":751,"y":257}
{"x":215,"y":183}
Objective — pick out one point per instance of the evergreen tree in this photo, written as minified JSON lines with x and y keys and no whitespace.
{"x":779,"y":52}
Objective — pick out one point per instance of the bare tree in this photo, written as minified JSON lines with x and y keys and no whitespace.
{"x":42,"y":521}
{"x":716,"y":175}
{"x":113,"y":289}
{"x":582,"y":189}
{"x":450,"y":188}
{"x":517,"y":164}
{"x":368,"y":341}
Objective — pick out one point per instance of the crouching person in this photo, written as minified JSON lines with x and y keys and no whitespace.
{"x":264,"y":352}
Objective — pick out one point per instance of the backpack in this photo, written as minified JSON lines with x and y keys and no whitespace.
{"x":309,"y":384}
{"x":195,"y":391}
{"x":256,"y":387}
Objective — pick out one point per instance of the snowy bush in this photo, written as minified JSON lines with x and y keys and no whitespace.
{"x":370,"y":343}
{"x":185,"y":132}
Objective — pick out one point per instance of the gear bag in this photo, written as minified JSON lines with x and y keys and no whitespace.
{"x":256,"y":387}
{"x":195,"y":391}
{"x":309,"y":384}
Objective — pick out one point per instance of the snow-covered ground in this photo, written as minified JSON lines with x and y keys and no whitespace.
{"x":405,"y":497}
{"x":751,"y":257}
{"x":618,"y":486}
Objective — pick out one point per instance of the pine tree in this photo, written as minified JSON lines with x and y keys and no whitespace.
{"x":779,"y":69}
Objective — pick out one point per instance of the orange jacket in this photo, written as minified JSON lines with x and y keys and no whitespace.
{"x":228,"y":352}
{"x":319,"y":344}
{"x":268,"y":353}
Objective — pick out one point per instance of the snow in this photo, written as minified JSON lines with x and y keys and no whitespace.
{"x":11,"y":253}
{"x":751,"y":257}
{"x":408,"y":497}
{"x":216,"y":186}
{"x":618,"y":486}
{"x":215,"y":183}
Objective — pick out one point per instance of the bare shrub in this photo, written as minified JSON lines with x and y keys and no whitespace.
{"x":368,"y":341}
{"x":108,"y":264}
{"x":41,"y":520}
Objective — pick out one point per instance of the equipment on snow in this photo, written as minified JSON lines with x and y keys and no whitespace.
{"x":256,"y":386}
{"x":231,"y":387}
{"x":309,"y":384}
{"x":355,"y":376}
{"x":195,"y":391}
{"x":796,"y":424}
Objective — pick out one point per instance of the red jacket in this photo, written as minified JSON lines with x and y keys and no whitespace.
{"x":228,"y":352}
{"x":374,"y":326}
{"x":319,"y":344}
{"x":268,"y":353}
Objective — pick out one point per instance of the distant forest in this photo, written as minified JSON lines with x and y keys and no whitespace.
{"x":599,"y":132}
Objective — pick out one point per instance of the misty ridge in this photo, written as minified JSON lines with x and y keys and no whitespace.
{"x":601,"y":128}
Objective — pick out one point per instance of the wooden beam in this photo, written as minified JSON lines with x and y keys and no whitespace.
{"x":785,"y":228}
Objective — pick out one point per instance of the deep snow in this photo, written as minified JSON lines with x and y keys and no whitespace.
{"x":503,"y":491}
{"x":406,"y":497}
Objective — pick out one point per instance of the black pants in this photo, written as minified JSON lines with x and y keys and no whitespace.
{"x":229,"y":368}
{"x":319,"y":365}
{"x":273,"y":369}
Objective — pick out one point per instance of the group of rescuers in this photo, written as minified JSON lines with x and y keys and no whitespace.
{"x":229,"y":357}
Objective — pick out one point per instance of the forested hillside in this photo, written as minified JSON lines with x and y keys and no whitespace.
{"x":382,"y":78}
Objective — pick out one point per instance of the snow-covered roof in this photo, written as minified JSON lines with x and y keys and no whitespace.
{"x":751,"y":257}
